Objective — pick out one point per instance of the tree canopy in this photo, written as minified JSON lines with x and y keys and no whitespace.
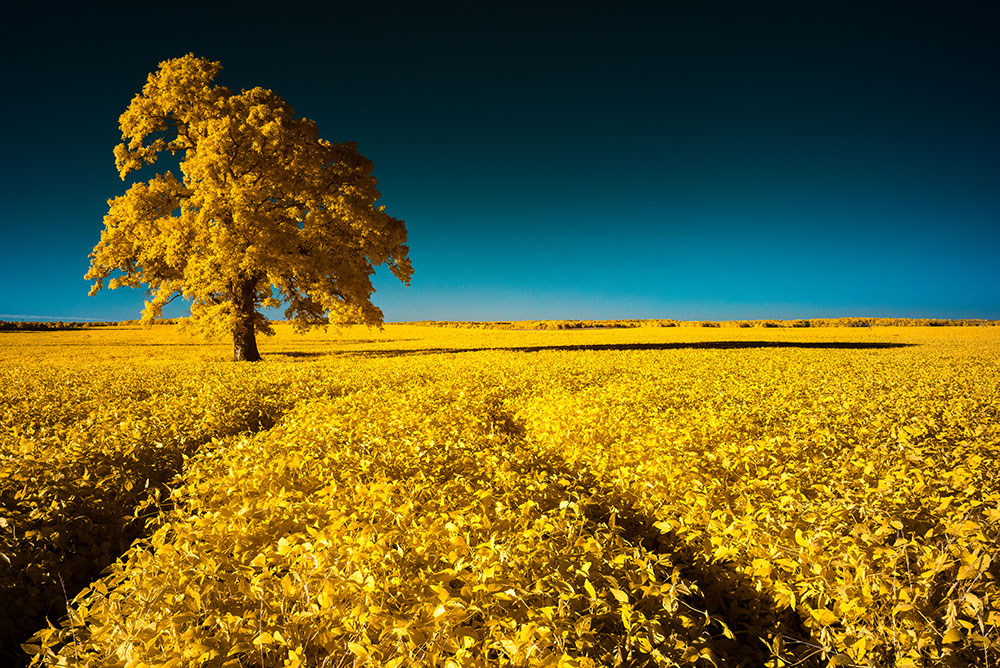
{"x":264,"y":211}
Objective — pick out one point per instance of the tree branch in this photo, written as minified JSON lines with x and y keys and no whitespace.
{"x":170,"y":300}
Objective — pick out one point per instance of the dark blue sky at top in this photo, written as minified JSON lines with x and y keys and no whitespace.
{"x":697,"y":160}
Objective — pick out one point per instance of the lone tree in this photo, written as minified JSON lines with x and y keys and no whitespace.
{"x":265,"y":212}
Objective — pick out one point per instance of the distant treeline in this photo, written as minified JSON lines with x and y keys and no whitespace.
{"x":53,"y":326}
{"x":35,"y":326}
{"x":618,"y":324}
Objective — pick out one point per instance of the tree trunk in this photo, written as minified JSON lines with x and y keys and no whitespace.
{"x":244,"y":337}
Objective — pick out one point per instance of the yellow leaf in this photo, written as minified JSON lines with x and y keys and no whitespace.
{"x":760,"y":568}
{"x":358,"y":650}
{"x":953,"y":635}
{"x":823,"y":616}
{"x":967,"y":571}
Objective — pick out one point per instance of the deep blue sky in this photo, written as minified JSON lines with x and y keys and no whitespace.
{"x":699,"y":160}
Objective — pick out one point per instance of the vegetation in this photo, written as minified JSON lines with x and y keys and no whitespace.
{"x":265,"y":212}
{"x":9,"y":325}
{"x":620,"y":324}
{"x":454,"y":497}
{"x":57,"y":325}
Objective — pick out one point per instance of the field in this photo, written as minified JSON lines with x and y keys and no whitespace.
{"x":427,"y":496}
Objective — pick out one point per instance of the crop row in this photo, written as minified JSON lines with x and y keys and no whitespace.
{"x":780,"y":506}
{"x":82,"y":451}
{"x":384,"y":528}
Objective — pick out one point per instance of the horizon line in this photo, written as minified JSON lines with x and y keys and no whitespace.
{"x":170,"y":320}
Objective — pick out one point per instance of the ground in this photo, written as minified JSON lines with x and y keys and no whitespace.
{"x":452,"y":496}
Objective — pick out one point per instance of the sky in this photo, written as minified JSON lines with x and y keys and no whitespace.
{"x":699,"y":160}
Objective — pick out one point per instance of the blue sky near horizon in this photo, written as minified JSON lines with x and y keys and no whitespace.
{"x":706,"y":160}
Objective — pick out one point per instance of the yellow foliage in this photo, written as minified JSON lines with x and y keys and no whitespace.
{"x":441,"y":497}
{"x":265,"y":211}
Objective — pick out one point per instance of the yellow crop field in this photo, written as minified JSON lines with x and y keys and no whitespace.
{"x":427,"y":496}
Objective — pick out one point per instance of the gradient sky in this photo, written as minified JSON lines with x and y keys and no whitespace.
{"x":701,"y":160}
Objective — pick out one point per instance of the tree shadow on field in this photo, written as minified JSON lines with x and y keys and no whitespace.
{"x":621,"y":347}
{"x":312,"y":354}
{"x":753,"y":618}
